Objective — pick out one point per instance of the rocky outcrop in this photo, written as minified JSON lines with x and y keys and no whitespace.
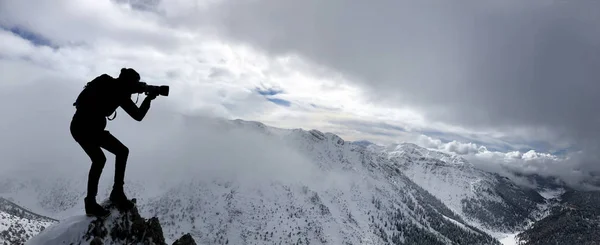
{"x":119,"y":228}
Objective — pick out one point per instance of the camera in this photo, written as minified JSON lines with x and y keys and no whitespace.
{"x":143,"y":87}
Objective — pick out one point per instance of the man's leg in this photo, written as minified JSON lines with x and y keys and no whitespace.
{"x":98,"y":161}
{"x":113,"y":145}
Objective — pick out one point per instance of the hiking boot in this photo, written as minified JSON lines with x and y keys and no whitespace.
{"x":92,"y":208}
{"x":117,"y":196}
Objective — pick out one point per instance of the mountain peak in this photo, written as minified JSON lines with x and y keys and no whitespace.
{"x":118,"y":228}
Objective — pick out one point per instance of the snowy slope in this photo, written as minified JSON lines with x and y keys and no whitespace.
{"x":354,"y":197}
{"x":575,"y":219}
{"x":486,"y":200}
{"x":17,"y":225}
{"x":313,"y":187}
{"x":46,"y":197}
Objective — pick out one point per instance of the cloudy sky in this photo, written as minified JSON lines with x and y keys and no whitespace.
{"x":505,"y":82}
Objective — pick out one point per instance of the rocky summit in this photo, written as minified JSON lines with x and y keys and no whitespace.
{"x":126,"y":227}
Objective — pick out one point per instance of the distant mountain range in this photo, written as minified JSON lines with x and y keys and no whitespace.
{"x":361,"y":193}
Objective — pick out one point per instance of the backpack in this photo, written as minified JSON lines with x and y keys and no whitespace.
{"x":96,"y":95}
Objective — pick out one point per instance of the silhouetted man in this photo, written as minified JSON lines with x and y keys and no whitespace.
{"x":100,"y":98}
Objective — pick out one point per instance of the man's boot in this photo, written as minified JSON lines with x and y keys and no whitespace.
{"x":92,"y":208}
{"x":117,"y":196}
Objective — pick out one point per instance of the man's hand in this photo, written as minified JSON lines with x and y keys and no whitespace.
{"x":151,"y":96}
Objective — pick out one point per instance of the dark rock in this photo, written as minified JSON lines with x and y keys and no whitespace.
{"x":317,"y":134}
{"x":185,"y":240}
{"x":96,"y":241}
{"x":128,"y":227}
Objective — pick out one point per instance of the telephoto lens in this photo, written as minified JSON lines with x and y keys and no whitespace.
{"x":160,"y":90}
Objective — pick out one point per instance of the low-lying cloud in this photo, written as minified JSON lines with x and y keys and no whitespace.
{"x":168,"y":146}
{"x":516,"y":164}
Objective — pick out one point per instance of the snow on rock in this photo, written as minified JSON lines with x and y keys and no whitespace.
{"x":510,"y":239}
{"x":552,"y":193}
{"x":17,"y":224}
{"x":118,"y":228}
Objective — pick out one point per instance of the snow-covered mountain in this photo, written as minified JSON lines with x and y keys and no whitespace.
{"x":18,"y":225}
{"x":486,"y":200}
{"x":239,"y":182}
{"x":353,"y":197}
{"x":316,"y":189}
{"x":575,"y":219}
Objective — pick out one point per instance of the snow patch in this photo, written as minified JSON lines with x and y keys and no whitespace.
{"x":552,"y":194}
{"x":67,"y":231}
{"x":509,"y":239}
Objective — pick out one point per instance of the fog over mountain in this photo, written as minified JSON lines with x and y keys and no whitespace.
{"x":196,"y":172}
{"x":523,"y":71}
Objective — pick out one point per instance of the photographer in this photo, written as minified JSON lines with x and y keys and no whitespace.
{"x":100,"y":99}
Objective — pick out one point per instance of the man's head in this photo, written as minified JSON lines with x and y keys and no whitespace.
{"x":130,"y":79}
{"x":129,"y":75}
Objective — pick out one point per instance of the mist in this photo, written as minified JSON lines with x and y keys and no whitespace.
{"x":167,"y":147}
{"x":525,"y":72}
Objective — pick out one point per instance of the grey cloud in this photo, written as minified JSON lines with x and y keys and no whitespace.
{"x":495,"y":65}
{"x":143,"y":5}
{"x":523,"y":68}
{"x":370,"y":127}
{"x":369,"y":124}
{"x":219,"y":72}
{"x":515,"y":168}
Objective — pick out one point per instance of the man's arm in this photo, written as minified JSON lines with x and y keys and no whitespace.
{"x":137,"y":113}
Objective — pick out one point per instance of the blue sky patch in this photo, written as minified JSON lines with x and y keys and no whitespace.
{"x":268,"y":92}
{"x":563,"y":152}
{"x":34,"y":38}
{"x":280,"y":102}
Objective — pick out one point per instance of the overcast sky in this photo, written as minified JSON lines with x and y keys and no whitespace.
{"x":509,"y":82}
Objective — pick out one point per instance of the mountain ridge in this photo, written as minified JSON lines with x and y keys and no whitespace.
{"x":315,"y":184}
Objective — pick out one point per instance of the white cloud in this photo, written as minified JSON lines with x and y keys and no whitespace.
{"x":187,"y":60}
{"x":429,"y":142}
{"x":454,"y":146}
{"x":567,"y":168}
{"x":461,"y":148}
{"x":208,"y":76}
